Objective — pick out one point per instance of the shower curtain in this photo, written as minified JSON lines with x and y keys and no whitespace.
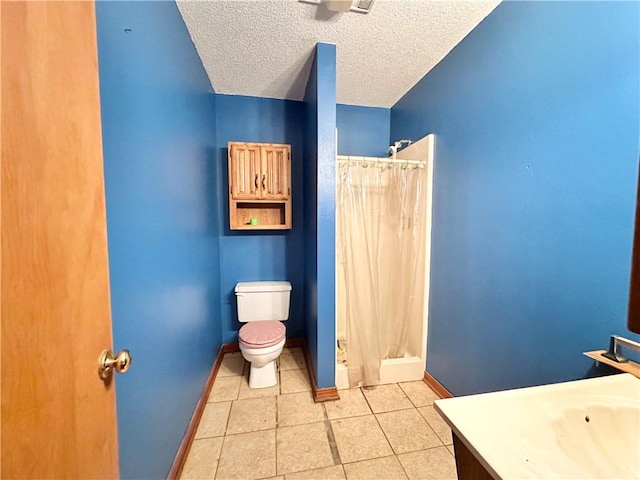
{"x":381,"y":225}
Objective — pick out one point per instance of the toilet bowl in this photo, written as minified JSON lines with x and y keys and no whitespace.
{"x":261,"y":343}
{"x":263,"y":372}
{"x":262,"y":306}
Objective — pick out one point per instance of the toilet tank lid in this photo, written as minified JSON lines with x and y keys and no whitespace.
{"x":242,"y":287}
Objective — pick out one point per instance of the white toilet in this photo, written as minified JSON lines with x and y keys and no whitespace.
{"x":263,"y":306}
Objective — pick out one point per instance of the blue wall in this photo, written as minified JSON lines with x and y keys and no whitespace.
{"x":319,"y":208}
{"x":536,"y":116}
{"x":310,"y":182}
{"x":363,"y":130}
{"x":158,"y":120}
{"x":254,"y":256}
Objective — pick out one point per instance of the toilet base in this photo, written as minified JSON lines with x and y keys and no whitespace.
{"x":263,"y":377}
{"x":263,"y":372}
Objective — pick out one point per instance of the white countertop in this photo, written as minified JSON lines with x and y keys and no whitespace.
{"x":581,"y":429}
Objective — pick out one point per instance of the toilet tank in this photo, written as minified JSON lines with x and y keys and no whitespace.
{"x":259,"y":301}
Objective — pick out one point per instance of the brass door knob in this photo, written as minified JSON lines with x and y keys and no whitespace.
{"x":108,"y":363}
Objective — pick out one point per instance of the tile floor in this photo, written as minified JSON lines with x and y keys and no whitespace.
{"x":389,"y":432}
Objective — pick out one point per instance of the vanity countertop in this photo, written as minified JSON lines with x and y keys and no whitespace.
{"x":580,"y":429}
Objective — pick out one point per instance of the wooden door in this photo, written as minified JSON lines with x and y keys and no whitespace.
{"x":276,"y":172}
{"x":244,"y":171}
{"x":58,"y":417}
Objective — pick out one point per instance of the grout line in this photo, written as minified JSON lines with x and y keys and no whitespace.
{"x":365,"y":398}
{"x":375,"y":415}
{"x":396,"y":410}
{"x":215,"y":473}
{"x":224,"y":440}
{"x":307,"y":471}
{"x":352,"y":416}
{"x":294,"y":393}
{"x":402,"y":466}
{"x":385,"y":434}
{"x":406,"y":395}
{"x":424,"y":449}
{"x":226,"y":424}
{"x":369,"y":459}
{"x":335,"y":454}
{"x":452,"y":454}
{"x":240,"y":386}
{"x":433,"y":428}
{"x":208,"y":437}
{"x":362,"y":389}
{"x":275,"y":446}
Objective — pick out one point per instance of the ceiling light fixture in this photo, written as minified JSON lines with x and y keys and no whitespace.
{"x":359,"y":6}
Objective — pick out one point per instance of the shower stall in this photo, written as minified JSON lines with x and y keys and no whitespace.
{"x":383,"y":233}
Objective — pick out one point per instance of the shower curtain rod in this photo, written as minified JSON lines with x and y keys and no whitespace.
{"x":358,"y":158}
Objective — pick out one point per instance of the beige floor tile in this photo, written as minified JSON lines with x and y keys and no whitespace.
{"x":351,"y":404}
{"x":252,"y":414}
{"x":435,"y":463}
{"x":247,"y":392}
{"x":452,"y":450}
{"x":202,"y":460}
{"x":436,"y":422}
{"x":214,"y":420}
{"x":291,"y":359}
{"x":225,"y":389}
{"x":281,"y":477}
{"x":360,"y":438}
{"x":303,"y":447}
{"x":407,"y":431}
{"x":334,"y":472}
{"x":232,"y":364}
{"x":292,"y":381}
{"x":388,"y":468}
{"x":298,"y":408}
{"x":248,"y":456}
{"x":419,"y":393}
{"x":385,"y":398}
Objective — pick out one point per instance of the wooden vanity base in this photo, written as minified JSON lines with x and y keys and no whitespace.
{"x":469,"y":468}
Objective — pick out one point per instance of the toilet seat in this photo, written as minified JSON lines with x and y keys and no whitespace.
{"x":262,"y":334}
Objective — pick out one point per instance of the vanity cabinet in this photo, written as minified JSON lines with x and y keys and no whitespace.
{"x":259,"y":186}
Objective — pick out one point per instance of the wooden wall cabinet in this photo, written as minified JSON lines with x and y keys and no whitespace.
{"x":259,"y":186}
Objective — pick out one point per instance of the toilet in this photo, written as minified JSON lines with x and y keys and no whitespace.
{"x":262,"y":307}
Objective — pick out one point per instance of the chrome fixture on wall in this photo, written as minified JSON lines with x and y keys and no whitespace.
{"x":614,"y":343}
{"x":393,"y":149}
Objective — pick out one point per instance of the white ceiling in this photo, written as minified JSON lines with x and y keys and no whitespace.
{"x":264,"y":48}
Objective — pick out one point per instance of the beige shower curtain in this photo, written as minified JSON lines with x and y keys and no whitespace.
{"x":381,"y":226}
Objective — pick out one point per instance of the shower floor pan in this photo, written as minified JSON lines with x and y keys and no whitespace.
{"x":393,"y":370}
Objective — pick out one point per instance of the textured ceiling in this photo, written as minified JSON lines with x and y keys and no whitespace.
{"x":264,"y":47}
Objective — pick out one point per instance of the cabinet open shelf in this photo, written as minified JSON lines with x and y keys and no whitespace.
{"x":269,"y":215}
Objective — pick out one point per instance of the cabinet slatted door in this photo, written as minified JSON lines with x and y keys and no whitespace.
{"x":244,"y":169}
{"x":275,"y":182}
